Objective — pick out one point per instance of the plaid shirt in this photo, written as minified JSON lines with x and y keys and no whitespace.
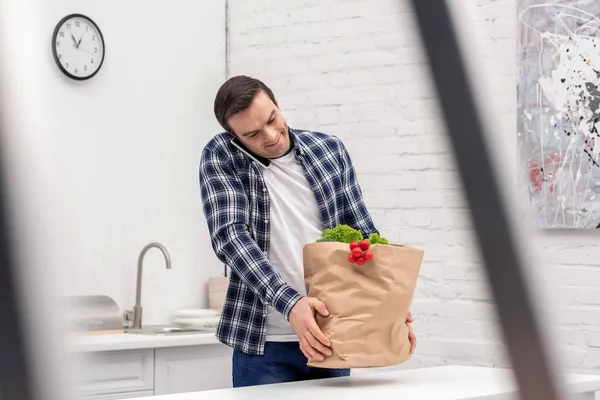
{"x":235,"y":202}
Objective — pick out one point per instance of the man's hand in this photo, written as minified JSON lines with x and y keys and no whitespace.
{"x":412,"y":338}
{"x":313,"y":343}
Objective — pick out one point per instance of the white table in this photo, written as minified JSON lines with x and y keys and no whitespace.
{"x":439,"y":383}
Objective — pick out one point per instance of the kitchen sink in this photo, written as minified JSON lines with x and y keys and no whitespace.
{"x":164,"y":330}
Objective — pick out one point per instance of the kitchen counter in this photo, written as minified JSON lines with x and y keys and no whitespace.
{"x":439,"y":383}
{"x":131,"y":341}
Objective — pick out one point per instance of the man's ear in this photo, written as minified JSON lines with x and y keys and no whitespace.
{"x":229,"y":130}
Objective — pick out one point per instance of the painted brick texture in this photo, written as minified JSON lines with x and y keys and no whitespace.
{"x":355,"y":69}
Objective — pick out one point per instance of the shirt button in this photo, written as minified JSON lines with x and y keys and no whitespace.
{"x":264,"y":189}
{"x":266,"y":221}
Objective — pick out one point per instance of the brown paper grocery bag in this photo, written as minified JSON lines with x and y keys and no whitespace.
{"x":368,"y":304}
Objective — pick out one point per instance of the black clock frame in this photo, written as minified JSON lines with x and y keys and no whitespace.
{"x":54,"y":53}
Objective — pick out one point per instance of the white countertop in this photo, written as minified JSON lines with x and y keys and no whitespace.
{"x":130,"y":341}
{"x":439,"y":383}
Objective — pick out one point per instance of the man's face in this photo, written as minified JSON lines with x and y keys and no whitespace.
{"x":262,"y":128}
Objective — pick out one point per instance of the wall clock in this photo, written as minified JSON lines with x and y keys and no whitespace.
{"x":78,"y":47}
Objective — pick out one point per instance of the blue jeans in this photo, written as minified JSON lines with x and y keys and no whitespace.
{"x":281,"y":362}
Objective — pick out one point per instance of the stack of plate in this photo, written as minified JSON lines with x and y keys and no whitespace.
{"x":201,"y":319}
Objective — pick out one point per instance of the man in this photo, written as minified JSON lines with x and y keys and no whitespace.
{"x":267,"y":190}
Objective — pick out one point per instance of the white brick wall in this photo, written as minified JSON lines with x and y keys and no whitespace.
{"x":355,"y":69}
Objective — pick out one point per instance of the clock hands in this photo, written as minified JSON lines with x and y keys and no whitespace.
{"x":87,"y":51}
{"x":75,"y":42}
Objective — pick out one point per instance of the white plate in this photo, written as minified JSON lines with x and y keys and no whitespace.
{"x":198,"y":323}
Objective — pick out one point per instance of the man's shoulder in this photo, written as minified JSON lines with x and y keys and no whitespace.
{"x":314,"y":138}
{"x":221,"y":142}
{"x":218,"y":150}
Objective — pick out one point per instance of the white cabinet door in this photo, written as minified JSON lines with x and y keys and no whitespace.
{"x":118,"y":396}
{"x":108,"y":372}
{"x":190,"y":369}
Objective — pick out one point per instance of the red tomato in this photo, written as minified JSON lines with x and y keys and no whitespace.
{"x":364,"y":244}
{"x":357,"y":252}
{"x":351,"y":258}
{"x":353,"y":245}
{"x":368,"y":255}
{"x":360,"y":261}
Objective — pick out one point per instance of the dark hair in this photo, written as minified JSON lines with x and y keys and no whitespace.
{"x":236,"y":95}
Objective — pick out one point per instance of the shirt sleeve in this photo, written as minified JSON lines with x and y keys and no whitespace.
{"x":225,"y":206}
{"x":355,"y":210}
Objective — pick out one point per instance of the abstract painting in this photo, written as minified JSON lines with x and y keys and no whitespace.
{"x":558,"y":85}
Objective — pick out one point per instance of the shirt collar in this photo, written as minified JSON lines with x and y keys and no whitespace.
{"x":296,"y":143}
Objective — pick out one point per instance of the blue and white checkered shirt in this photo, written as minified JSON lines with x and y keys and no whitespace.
{"x":235,"y":202}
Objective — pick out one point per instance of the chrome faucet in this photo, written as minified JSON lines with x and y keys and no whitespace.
{"x":136,"y":314}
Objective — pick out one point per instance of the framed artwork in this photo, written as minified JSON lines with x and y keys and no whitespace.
{"x":558,"y":111}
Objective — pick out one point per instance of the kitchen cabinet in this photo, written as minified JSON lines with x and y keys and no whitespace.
{"x":114,"y":372}
{"x":121,"y":374}
{"x":190,"y":369}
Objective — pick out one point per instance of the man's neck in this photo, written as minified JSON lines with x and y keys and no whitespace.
{"x":286,"y":153}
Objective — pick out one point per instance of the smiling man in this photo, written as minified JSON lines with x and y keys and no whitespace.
{"x":267,"y":190}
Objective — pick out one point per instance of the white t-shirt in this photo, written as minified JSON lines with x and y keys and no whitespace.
{"x":295,"y":220}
